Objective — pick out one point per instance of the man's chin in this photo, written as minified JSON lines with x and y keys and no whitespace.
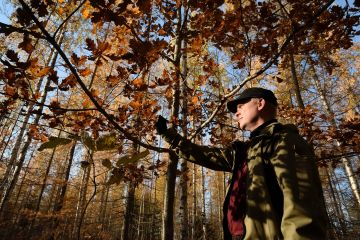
{"x":244,"y":128}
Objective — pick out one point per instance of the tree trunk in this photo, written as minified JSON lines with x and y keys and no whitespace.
{"x":153,"y":206}
{"x":14,"y":153}
{"x":183,"y":213}
{"x":168,"y":216}
{"x":22,"y":183}
{"x":141,"y":224}
{"x":23,"y":202}
{"x":338,"y":211}
{"x":42,"y":189}
{"x":20,"y":138}
{"x":129,"y":209}
{"x":347,"y":164}
{"x":86,"y":166}
{"x":152,"y":200}
{"x":9,"y":138}
{"x":203,"y":196}
{"x":103,"y":206}
{"x":296,"y":82}
{"x":9,"y":182}
{"x":193,"y":225}
{"x":219,"y":204}
{"x":128,"y":223}
{"x":59,"y":202}
{"x":168,"y":212}
{"x":16,"y":148}
{"x":43,"y":185}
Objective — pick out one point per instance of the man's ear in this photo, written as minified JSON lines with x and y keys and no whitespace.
{"x":261,"y":104}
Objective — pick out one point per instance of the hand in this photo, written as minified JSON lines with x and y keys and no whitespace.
{"x":161,"y":126}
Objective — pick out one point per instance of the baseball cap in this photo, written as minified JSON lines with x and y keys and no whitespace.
{"x":254,"y":92}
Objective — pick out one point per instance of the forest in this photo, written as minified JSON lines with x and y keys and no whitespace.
{"x":82,"y":83}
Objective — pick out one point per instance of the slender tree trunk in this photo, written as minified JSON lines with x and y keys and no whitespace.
{"x":14,"y":153}
{"x":22,"y":185}
{"x":141,"y":223}
{"x":343,"y":219}
{"x":168,"y":213}
{"x":5,"y":124}
{"x":52,"y":196}
{"x":193,"y":225}
{"x":103,"y":206}
{"x":10,"y":181}
{"x":59,"y":202}
{"x":9,"y":139}
{"x":153,"y":202}
{"x":296,"y":82}
{"x":128,"y":224}
{"x":20,"y":139}
{"x":346,"y":162}
{"x":203,"y":197}
{"x":9,"y":189}
{"x":109,"y":223}
{"x":340,"y":195}
{"x":338,"y":211}
{"x":16,"y":147}
{"x":299,"y":99}
{"x":46,"y":175}
{"x":23,"y":202}
{"x":18,"y":210}
{"x":219,"y":204}
{"x":129,"y":209}
{"x":42,"y":189}
{"x":86,"y":166}
{"x":183,"y":213}
{"x":104,"y":224}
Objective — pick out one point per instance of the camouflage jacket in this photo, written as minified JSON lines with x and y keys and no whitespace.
{"x":284,"y":197}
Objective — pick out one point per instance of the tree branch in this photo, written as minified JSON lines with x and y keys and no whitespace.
{"x":7,"y":29}
{"x":49,"y":106}
{"x":284,"y":9}
{"x":111,"y":120}
{"x":264,"y":68}
{"x":41,"y":125}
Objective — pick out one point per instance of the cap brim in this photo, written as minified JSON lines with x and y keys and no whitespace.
{"x":232,"y":105}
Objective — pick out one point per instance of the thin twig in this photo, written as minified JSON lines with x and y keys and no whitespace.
{"x":49,"y":106}
{"x":4,"y":28}
{"x":68,"y":17}
{"x":43,"y":126}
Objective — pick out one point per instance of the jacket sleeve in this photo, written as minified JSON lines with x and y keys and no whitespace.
{"x":212,"y":158}
{"x":304,"y":214}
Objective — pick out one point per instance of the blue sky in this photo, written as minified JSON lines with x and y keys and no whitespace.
{"x":5,"y":11}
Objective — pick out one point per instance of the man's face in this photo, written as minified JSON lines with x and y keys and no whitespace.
{"x":247,"y":114}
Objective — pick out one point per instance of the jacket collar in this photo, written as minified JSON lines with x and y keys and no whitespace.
{"x":267,"y":128}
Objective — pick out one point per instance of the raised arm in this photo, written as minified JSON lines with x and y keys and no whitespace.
{"x":213,"y":158}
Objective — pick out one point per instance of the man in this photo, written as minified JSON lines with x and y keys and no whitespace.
{"x":275,"y":190}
